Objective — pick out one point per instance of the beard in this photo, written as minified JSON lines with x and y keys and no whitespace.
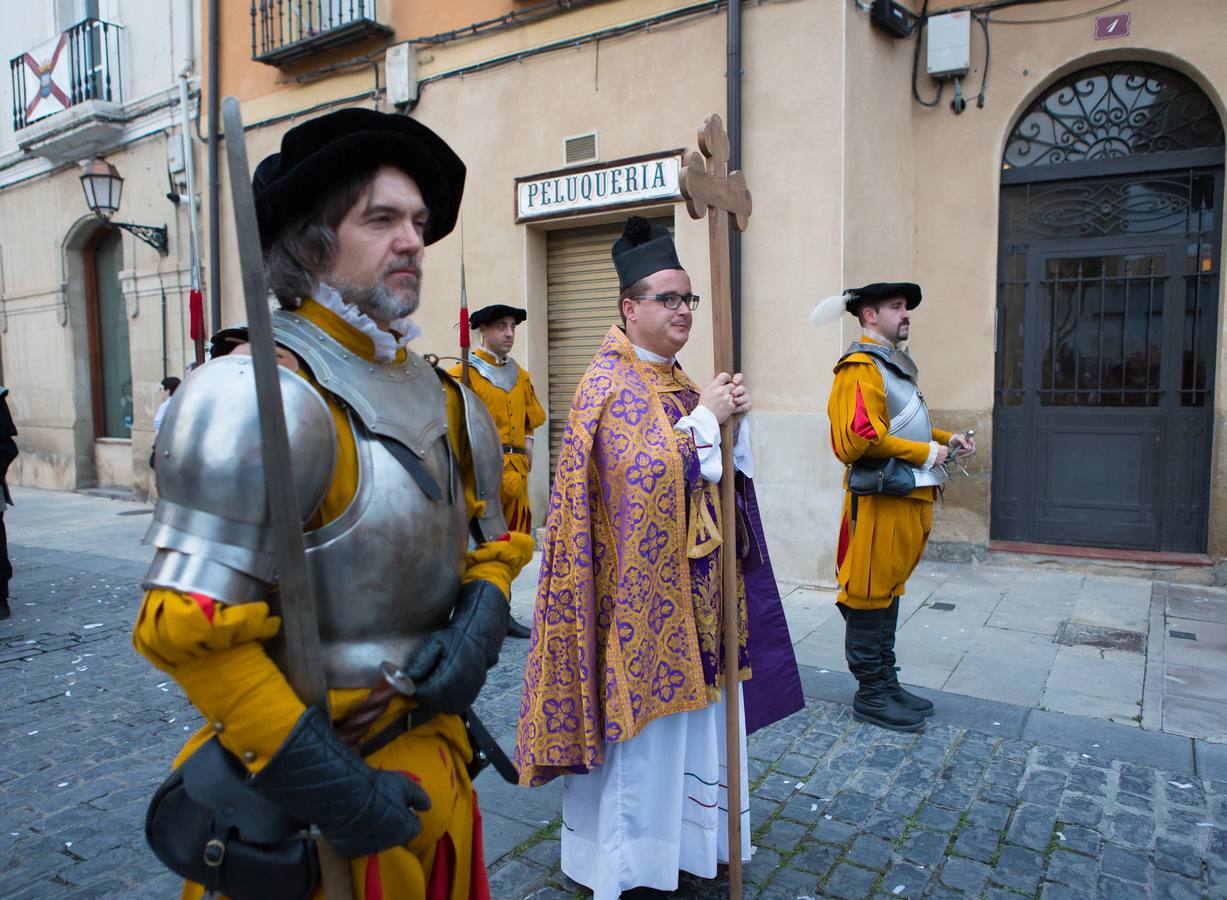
{"x":380,"y":302}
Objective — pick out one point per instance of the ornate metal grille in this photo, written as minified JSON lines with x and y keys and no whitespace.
{"x":1114,"y":110}
{"x":1104,"y":308}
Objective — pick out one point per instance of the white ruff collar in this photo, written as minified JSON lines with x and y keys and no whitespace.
{"x":386,"y":342}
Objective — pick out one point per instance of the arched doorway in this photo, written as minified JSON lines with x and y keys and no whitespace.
{"x":110,"y":360}
{"x":1108,"y":294}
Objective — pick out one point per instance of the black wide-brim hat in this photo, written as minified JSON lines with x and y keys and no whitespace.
{"x":495,"y":311}
{"x":336,"y":147}
{"x":883,"y":290}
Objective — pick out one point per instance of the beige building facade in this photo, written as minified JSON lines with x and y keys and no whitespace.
{"x":92,"y":317}
{"x":1066,"y":318}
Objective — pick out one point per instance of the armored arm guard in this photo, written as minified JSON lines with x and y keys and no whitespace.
{"x":486,"y":455}
{"x":211,"y":526}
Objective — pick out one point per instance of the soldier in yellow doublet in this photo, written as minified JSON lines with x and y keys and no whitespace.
{"x":395,"y":799}
{"x":506,"y":388}
{"x":877,"y":412}
{"x":507,"y":392}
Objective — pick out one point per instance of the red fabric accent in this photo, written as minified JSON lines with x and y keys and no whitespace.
{"x":842,"y":548}
{"x":411,"y":776}
{"x":207,"y":605}
{"x":505,"y":536}
{"x":860,"y":419}
{"x":443,"y":871}
{"x":479,"y":885}
{"x":373,"y":889}
{"x":195,"y":305}
{"x":465,"y":336}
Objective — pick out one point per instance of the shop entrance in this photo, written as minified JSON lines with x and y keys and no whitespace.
{"x":582,"y":302}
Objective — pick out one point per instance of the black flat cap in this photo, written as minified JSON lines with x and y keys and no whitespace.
{"x":488,"y":314}
{"x":882,"y":290}
{"x":324,"y":151}
{"x":643,"y":250}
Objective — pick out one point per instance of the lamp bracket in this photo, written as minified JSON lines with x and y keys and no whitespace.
{"x":154,"y":236}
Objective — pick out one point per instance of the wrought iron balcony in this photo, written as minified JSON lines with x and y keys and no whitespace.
{"x":288,"y":31}
{"x":79,"y":65}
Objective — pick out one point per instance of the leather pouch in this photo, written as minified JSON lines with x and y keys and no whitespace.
{"x":206,"y":825}
{"x":889,"y":475}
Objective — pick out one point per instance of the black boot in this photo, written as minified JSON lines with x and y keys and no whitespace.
{"x":863,"y":649}
{"x":5,"y":612}
{"x":891,"y":671}
{"x":516,"y":630}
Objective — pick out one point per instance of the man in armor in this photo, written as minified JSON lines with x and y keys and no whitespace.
{"x":507,"y":391}
{"x":397,"y":470}
{"x":877,"y":412}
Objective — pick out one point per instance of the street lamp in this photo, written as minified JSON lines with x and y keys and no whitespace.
{"x":103,"y":186}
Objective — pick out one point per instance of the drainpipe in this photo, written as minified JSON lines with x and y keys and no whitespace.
{"x":215,"y":291}
{"x":733,"y":82}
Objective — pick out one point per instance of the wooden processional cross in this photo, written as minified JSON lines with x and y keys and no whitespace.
{"x":712,"y":191}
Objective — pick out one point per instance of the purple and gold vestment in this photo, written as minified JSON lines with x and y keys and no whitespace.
{"x":627,"y":625}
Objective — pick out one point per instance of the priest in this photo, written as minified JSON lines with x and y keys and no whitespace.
{"x":622,"y":692}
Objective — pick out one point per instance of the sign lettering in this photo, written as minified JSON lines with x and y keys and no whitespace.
{"x":613,"y":184}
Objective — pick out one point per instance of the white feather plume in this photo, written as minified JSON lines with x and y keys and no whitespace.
{"x":829,"y":310}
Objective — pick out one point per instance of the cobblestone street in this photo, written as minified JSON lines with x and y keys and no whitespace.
{"x":992,"y":800}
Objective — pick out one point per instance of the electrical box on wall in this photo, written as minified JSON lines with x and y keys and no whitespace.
{"x":401,"y":72}
{"x":889,"y":16}
{"x":949,"y":39}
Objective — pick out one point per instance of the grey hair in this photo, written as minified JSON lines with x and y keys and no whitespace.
{"x":304,"y":249}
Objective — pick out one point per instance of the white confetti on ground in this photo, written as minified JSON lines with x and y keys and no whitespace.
{"x":93,"y":625}
{"x":799,"y":785}
{"x":1177,"y":784}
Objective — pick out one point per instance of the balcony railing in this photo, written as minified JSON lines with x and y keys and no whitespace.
{"x":78,"y":65}
{"x":287,"y":31}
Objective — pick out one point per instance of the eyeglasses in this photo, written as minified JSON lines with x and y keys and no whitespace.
{"x":672,"y":300}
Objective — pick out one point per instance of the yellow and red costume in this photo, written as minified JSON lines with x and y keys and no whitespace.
{"x":874,"y":561}
{"x":215,"y":652}
{"x":517,"y":413}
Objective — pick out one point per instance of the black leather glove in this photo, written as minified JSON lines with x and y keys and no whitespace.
{"x":450,"y":668}
{"x":359,"y":809}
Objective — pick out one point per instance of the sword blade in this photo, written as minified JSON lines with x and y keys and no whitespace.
{"x":299,"y":622}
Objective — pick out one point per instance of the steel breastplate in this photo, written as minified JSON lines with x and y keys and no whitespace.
{"x":387,"y":571}
{"x":905,"y":404}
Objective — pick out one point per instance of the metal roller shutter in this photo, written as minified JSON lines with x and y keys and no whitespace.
{"x":582,"y":302}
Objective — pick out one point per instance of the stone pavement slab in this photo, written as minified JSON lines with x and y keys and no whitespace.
{"x":990,"y":800}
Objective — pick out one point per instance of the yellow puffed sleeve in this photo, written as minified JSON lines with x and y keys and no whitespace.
{"x":534,"y":414}
{"x":215,"y":652}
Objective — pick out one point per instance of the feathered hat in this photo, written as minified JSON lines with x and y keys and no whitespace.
{"x":829,"y":309}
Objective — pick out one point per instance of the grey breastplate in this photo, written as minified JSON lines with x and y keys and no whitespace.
{"x":905,"y":404}
{"x":387,"y":571}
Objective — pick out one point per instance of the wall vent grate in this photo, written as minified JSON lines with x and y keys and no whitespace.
{"x":579,"y":148}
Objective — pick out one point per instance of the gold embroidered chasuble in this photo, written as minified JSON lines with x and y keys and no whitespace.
{"x":627,"y":625}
